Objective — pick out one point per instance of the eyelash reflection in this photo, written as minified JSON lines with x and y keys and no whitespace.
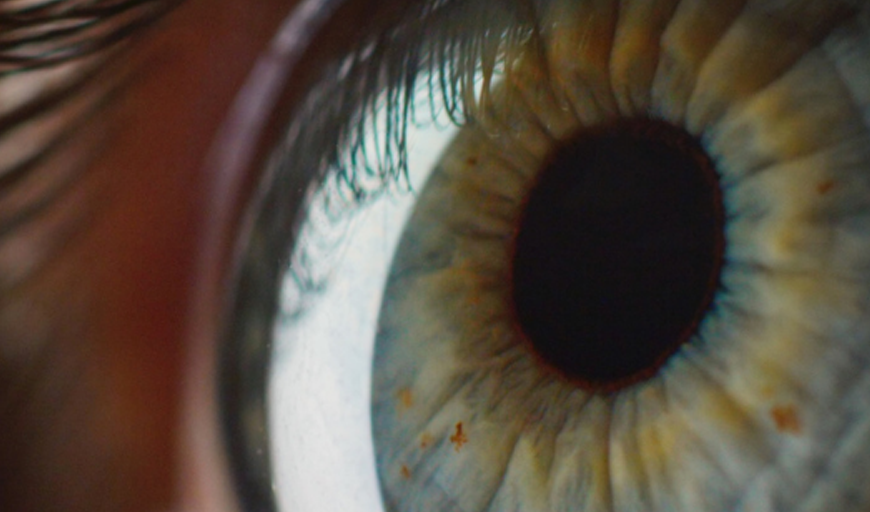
{"x":410,"y":478}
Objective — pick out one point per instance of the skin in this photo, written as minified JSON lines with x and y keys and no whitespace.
{"x":135,"y":428}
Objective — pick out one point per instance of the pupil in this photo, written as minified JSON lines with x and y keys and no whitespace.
{"x":619,"y":252}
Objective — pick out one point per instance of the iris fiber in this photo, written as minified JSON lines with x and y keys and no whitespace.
{"x":619,"y":251}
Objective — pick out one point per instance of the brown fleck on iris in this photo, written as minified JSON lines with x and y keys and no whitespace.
{"x":406,"y":399}
{"x":459,"y":439}
{"x":825,"y":187}
{"x":786,"y":419}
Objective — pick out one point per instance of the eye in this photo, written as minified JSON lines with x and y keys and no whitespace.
{"x":754,"y":400}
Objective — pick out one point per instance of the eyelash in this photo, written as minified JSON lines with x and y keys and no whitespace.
{"x":349,"y":138}
{"x":454,"y":64}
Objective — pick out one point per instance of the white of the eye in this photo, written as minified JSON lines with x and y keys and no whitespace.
{"x":319,"y":385}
